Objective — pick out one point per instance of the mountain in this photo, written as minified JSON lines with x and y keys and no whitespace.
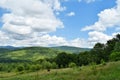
{"x":71,"y":49}
{"x":9,"y":47}
{"x":3,"y":50}
{"x":29,"y":53}
{"x":10,"y":53}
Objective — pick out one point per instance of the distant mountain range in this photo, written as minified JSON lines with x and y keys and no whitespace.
{"x":71,"y":49}
{"x":10,"y":47}
{"x":35,"y":53}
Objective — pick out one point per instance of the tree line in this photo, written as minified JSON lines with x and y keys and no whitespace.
{"x":99,"y":54}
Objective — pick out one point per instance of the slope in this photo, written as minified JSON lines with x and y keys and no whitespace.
{"x":30,"y":53}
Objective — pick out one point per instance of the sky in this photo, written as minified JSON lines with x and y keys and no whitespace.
{"x":79,"y":23}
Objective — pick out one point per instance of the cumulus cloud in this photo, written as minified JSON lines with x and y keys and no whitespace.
{"x":108,"y":18}
{"x":79,"y":43}
{"x":71,"y":14}
{"x":26,"y":18}
{"x":28,"y":22}
{"x":41,"y":40}
{"x":96,"y":36}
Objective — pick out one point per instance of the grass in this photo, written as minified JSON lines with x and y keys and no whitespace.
{"x":110,"y":71}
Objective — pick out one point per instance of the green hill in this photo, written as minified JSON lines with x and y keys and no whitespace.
{"x":36,"y":53}
{"x":29,"y":53}
{"x":71,"y":49}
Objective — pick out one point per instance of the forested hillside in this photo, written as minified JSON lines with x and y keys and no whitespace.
{"x":29,"y":53}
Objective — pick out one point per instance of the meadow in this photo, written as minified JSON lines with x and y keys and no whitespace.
{"x":108,"y":71}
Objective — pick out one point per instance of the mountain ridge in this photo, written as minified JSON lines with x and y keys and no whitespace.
{"x":36,"y":52}
{"x":71,"y":49}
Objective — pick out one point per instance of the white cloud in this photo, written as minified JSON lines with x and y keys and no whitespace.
{"x":41,"y":40}
{"x":79,"y":43}
{"x":108,"y":18}
{"x":29,"y":22}
{"x":96,"y":36}
{"x":55,"y":4}
{"x":30,"y":17}
{"x":71,"y":14}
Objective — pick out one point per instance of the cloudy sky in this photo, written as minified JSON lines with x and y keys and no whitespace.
{"x":80,"y":23}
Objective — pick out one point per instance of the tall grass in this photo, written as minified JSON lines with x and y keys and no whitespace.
{"x":110,"y":71}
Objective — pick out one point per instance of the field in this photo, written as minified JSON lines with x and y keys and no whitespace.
{"x":108,"y":71}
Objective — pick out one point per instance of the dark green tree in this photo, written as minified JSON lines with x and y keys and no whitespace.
{"x":63,"y":59}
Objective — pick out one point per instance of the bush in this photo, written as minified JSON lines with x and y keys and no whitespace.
{"x":115,"y":56}
{"x":72,"y":65}
{"x":54,"y":65}
{"x":20,"y":68}
{"x":103,"y":62}
{"x":35,"y":67}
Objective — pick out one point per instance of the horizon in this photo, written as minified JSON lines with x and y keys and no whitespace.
{"x":41,"y":46}
{"x":47,"y":23}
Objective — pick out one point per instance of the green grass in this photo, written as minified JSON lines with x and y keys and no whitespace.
{"x":110,"y":71}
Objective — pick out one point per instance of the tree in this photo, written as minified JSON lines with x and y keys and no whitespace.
{"x":62,"y":59}
{"x":98,"y":51}
{"x":83,"y":58}
{"x":99,"y":46}
{"x":46,"y":65}
{"x":117,"y":47}
{"x":111,"y":45}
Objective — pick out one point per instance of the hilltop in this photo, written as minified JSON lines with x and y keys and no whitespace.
{"x":71,"y":49}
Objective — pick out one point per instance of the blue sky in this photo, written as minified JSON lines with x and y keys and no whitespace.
{"x":85,"y":14}
{"x":80,"y":23}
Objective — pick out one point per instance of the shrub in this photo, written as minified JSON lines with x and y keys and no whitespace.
{"x":103,"y":62}
{"x":72,"y":65}
{"x":115,"y":56}
{"x":54,"y":65}
{"x":20,"y":68}
{"x":35,"y":67}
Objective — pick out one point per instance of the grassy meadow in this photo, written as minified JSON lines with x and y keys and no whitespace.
{"x":108,"y":71}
